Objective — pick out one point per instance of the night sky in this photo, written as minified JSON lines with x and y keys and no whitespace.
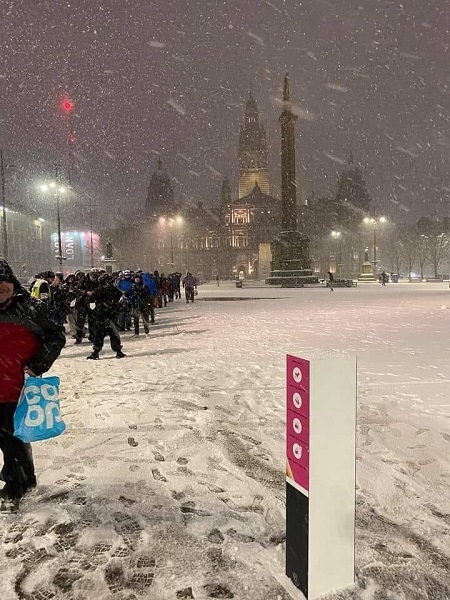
{"x":171,"y":77}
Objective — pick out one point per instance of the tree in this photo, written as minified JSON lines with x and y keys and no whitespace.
{"x":409,"y":241}
{"x":434,"y":240}
{"x":438,"y":245}
{"x":394,"y":247}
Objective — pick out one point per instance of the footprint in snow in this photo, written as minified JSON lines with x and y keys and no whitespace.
{"x":178,"y":495}
{"x":157,"y":475}
{"x":217,"y":591}
{"x":185,"y":594}
{"x":215,"y":536}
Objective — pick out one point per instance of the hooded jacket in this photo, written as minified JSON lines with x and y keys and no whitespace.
{"x":28,"y":338}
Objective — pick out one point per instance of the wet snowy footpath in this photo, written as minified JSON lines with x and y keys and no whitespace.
{"x":169,"y":482}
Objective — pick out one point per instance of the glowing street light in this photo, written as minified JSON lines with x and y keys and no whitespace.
{"x":337,"y":235}
{"x":176,"y":221}
{"x":57,"y":189}
{"x":374,"y":222}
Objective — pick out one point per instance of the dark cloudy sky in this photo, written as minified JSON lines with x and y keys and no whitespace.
{"x":172,"y":76}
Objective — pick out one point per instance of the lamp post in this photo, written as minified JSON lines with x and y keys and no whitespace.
{"x":91,"y":228}
{"x":337,"y":235}
{"x":91,"y":222}
{"x":4,"y":224}
{"x":57,"y":190}
{"x":91,"y":232}
{"x":374,"y":221}
{"x":171,"y":243}
{"x":172,"y":222}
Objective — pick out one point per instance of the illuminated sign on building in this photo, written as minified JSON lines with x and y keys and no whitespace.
{"x":76,"y":248}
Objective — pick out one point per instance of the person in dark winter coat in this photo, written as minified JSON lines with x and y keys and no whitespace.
{"x":42,"y":289}
{"x":70,"y":292}
{"x":60,"y":306}
{"x":104,"y":304}
{"x":125,"y":284}
{"x":81,"y":305}
{"x":157,"y":278}
{"x":177,"y":284}
{"x":142,"y":304}
{"x":29,"y":344}
{"x":164,"y":284}
{"x":331,"y":280}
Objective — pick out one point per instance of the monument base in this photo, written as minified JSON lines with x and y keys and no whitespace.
{"x":292,"y":278}
{"x":367,"y":273}
{"x":290,"y":266}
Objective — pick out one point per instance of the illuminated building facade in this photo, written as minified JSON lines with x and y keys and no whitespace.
{"x":29,"y":248}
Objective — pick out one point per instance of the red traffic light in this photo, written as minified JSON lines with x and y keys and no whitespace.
{"x":67,"y":105}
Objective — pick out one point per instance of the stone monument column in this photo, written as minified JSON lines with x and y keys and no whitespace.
{"x":290,"y":266}
{"x":287,"y":121}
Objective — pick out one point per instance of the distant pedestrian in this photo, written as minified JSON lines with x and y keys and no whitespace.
{"x":190,"y":285}
{"x":217,"y":279}
{"x":331,"y":281}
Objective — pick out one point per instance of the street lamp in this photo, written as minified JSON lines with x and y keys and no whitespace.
{"x":172,"y":222}
{"x":337,"y":235}
{"x":374,"y":221}
{"x":91,"y":206}
{"x":57,"y":189}
{"x":91,"y":228}
{"x":5,"y":228}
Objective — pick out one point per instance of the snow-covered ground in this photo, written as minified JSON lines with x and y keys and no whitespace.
{"x":169,"y":482}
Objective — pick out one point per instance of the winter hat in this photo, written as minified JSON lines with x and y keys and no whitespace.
{"x":47,"y":275}
{"x":6,"y":273}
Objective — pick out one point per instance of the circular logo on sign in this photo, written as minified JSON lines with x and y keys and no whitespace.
{"x":297,"y":450}
{"x":297,"y":374}
{"x":297,"y":425}
{"x":297,"y":400}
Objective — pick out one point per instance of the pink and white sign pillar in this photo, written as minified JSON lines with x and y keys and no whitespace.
{"x":320,"y":473}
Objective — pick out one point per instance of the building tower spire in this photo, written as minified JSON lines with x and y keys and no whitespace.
{"x":160,"y":193}
{"x":286,"y":90}
{"x":253,"y":161}
{"x":287,"y":121}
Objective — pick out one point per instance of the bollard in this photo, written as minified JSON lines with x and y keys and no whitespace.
{"x":320,"y":474}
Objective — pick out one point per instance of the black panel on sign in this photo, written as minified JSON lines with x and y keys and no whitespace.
{"x":297,"y":514}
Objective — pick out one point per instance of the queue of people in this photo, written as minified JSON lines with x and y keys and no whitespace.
{"x":35,"y":322}
{"x":97,"y":304}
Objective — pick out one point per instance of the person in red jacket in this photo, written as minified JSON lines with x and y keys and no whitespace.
{"x":29,"y":344}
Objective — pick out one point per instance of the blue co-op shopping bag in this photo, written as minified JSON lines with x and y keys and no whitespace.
{"x":37,"y":415}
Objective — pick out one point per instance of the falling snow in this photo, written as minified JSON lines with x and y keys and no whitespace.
{"x":337,"y":87}
{"x":174,"y":104}
{"x":368,"y":78}
{"x":336,"y":159}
